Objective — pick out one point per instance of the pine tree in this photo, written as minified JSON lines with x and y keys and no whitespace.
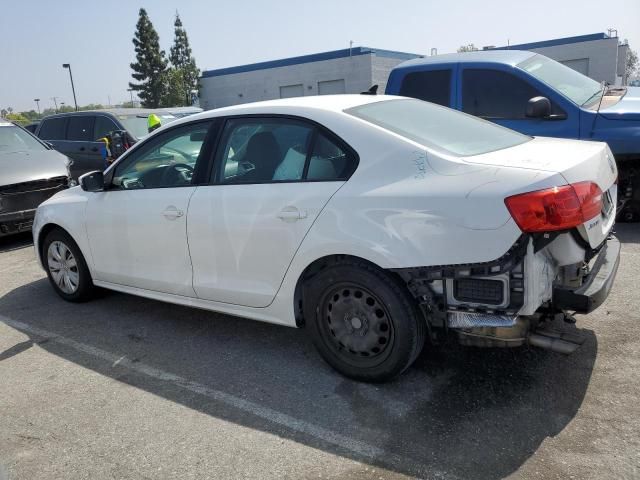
{"x":183,"y":62}
{"x":150,"y":69}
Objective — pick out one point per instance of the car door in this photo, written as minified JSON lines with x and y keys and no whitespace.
{"x":137,"y":226}
{"x":501,"y":96}
{"x":271,"y":179}
{"x":79,"y":142}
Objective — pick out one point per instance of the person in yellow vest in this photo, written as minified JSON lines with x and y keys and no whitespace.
{"x":153,"y":122}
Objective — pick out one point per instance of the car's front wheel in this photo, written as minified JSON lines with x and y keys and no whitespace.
{"x":363,"y":322}
{"x":66,"y":267}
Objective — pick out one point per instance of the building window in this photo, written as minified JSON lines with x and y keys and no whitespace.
{"x":331,"y":87}
{"x":290,"y":91}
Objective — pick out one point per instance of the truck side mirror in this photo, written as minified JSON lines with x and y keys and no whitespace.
{"x":92,"y":181}
{"x":538,"y":107}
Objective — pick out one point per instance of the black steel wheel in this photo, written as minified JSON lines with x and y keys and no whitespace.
{"x":362,"y":321}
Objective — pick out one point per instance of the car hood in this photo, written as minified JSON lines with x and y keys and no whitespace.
{"x":628,"y":108}
{"x":19,"y":167}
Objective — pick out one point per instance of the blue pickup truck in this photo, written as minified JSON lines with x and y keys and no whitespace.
{"x":537,"y":96}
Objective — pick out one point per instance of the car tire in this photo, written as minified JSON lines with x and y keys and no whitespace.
{"x":363,"y":322}
{"x":66,"y":267}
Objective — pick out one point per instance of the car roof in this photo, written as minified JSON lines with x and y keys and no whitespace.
{"x":504,"y":57}
{"x":334,"y":103}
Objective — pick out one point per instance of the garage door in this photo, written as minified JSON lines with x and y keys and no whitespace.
{"x":331,"y":87}
{"x":289,"y":91}
{"x":579,"y":65}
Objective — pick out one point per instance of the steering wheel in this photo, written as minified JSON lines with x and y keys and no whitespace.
{"x":183,"y":171}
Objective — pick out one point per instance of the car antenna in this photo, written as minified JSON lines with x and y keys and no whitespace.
{"x":605,"y":84}
{"x":372,"y":91}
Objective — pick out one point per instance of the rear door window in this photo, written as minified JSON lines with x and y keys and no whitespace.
{"x":53,"y":128}
{"x":80,"y":128}
{"x":432,"y":86}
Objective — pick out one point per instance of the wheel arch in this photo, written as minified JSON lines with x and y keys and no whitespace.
{"x":326,"y":261}
{"x":42,"y":234}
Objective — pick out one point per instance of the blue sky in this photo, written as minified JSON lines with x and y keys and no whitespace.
{"x":95,"y":37}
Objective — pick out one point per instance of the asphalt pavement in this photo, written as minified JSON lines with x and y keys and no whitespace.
{"x":124,"y":387}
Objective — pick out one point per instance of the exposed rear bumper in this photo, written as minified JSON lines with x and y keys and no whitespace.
{"x":597,"y":284}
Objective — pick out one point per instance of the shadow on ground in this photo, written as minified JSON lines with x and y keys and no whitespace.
{"x":628,"y":232}
{"x":15,"y":242}
{"x":458,"y":412}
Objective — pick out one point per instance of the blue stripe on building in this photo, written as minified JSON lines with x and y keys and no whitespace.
{"x":316,"y":57}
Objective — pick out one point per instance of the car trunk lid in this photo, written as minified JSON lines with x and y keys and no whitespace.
{"x":577,"y":161}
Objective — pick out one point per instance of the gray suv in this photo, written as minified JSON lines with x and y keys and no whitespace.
{"x":76,"y":134}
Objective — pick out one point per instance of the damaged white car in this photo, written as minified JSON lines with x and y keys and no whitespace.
{"x":376,"y":222}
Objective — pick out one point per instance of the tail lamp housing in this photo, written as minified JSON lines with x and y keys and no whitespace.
{"x":556,"y":208}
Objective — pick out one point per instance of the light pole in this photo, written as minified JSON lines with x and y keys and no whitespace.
{"x":68,"y":65}
{"x":130,"y":90}
{"x":37,"y":100}
{"x":55,"y":102}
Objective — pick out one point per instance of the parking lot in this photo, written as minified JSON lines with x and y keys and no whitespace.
{"x":124,"y":387}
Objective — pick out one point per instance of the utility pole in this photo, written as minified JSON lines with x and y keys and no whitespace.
{"x":130,"y":90}
{"x":37,"y":100}
{"x":68,"y":65}
{"x":55,"y":102}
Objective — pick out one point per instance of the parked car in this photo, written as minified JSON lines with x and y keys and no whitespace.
{"x":374,"y":221}
{"x":534,"y":95}
{"x":76,"y":134}
{"x":30,"y":173}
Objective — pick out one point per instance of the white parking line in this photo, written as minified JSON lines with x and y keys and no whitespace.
{"x":354,"y":446}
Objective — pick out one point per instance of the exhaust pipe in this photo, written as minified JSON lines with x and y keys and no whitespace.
{"x":554,"y":344}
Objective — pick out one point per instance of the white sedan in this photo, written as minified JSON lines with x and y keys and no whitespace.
{"x":377,"y":222}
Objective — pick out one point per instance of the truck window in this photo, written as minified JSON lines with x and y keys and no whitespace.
{"x":80,"y":128}
{"x":495,"y":94}
{"x":103,"y":126}
{"x":432,"y":86}
{"x":53,"y":128}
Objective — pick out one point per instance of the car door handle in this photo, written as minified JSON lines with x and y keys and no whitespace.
{"x":94,"y":149}
{"x":82,"y":149}
{"x":291,"y":214}
{"x":171,"y":213}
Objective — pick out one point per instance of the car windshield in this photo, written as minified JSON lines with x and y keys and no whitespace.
{"x":14,"y":139}
{"x":438,"y":127}
{"x":136,"y":125}
{"x":579,"y":88}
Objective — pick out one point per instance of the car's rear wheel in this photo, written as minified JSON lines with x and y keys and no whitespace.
{"x":363,"y":322}
{"x":66,"y":267}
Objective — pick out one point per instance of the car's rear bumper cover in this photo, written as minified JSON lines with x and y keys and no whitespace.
{"x":597,"y":284}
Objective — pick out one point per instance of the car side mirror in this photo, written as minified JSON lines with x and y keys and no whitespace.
{"x":538,"y":107}
{"x":92,"y":181}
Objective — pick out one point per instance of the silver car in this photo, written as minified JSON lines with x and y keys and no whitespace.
{"x":30,"y":172}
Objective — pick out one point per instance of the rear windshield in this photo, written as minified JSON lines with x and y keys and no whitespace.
{"x":14,"y":139}
{"x":437,"y":127}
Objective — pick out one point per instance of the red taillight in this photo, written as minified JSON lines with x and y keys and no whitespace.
{"x":557,"y":208}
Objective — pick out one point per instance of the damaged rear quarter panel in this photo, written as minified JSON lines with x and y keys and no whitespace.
{"x":418,"y":208}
